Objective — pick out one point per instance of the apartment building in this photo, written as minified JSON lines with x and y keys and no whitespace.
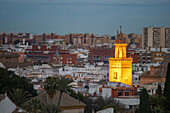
{"x":153,"y":55}
{"x":86,"y":39}
{"x":156,"y":37}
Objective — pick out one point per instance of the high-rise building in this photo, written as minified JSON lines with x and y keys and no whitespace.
{"x":120,"y":67}
{"x":156,"y":37}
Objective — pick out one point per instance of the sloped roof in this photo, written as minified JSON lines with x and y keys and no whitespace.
{"x":164,"y":69}
{"x":160,"y":72}
{"x":16,"y":64}
{"x":66,"y":100}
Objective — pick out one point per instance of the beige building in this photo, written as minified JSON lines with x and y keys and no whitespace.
{"x":88,"y":39}
{"x":156,"y":37}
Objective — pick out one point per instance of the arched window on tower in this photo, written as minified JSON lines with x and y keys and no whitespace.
{"x":118,"y":53}
{"x":115,"y":75}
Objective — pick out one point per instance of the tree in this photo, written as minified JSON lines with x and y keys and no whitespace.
{"x":63,"y":85}
{"x":157,"y":101}
{"x":19,"y":96}
{"x":34,"y":106}
{"x":112,"y":103}
{"x":98,"y":104}
{"x":159,"y":90}
{"x":50,"y":86}
{"x":78,"y":95}
{"x":144,"y":106}
{"x":158,"y":109}
{"x":101,"y":103}
{"x":51,"y":109}
{"x":9,"y":81}
{"x":89,"y":102}
{"x":137,"y":111}
{"x":167,"y":89}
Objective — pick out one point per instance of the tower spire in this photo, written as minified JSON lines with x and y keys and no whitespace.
{"x":120,"y":28}
{"x":120,"y":38}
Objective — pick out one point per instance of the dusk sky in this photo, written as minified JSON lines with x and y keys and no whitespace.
{"x":101,"y":17}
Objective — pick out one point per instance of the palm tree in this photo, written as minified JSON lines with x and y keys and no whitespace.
{"x":19,"y":96}
{"x":63,"y":85}
{"x":51,"y":109}
{"x":34,"y":106}
{"x":50,"y":86}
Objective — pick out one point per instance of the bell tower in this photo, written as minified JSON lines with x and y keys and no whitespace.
{"x":120,"y":67}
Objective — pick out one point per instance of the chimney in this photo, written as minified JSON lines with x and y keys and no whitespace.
{"x":5,"y":93}
{"x":151,"y":71}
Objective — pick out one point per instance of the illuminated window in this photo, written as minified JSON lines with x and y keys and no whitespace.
{"x":115,"y":75}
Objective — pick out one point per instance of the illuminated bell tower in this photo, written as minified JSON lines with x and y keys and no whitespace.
{"x":120,"y":67}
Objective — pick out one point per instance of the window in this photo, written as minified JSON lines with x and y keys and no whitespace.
{"x":126,"y":93}
{"x":46,"y":52}
{"x":29,"y":52}
{"x":115,"y":75}
{"x":130,"y":106}
{"x":119,"y":93}
{"x":84,"y":40}
{"x":37,"y":51}
{"x":55,"y":60}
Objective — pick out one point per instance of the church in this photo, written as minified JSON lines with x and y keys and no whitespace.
{"x":120,"y":67}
